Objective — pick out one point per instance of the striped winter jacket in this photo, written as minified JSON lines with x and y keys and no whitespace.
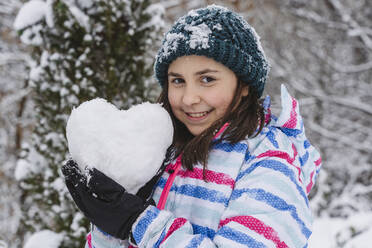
{"x":256,"y":194}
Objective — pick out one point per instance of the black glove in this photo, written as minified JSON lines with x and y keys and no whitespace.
{"x":104,"y":202}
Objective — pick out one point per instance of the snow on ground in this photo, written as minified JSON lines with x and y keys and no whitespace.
{"x":327,"y":231}
{"x":3,"y":244}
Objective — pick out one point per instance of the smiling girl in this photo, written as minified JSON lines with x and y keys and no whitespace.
{"x":235,"y":175}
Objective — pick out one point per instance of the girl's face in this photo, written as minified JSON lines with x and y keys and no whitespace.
{"x":200,"y":90}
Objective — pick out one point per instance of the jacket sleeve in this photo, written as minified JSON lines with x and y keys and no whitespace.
{"x":268,"y":208}
{"x":99,"y":239}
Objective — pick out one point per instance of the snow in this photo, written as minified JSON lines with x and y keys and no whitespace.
{"x":170,"y":44}
{"x":21,"y":170}
{"x":49,"y":15}
{"x":30,"y":13}
{"x":128,"y":146}
{"x":79,"y":15}
{"x":331,"y":232}
{"x":157,"y":22}
{"x":44,"y":239}
{"x":35,"y":10}
{"x":88,"y":37}
{"x":76,"y":225}
{"x":3,"y":244}
{"x":258,"y":41}
{"x":199,"y":36}
{"x":30,"y":165}
{"x":361,"y":241}
{"x":85,"y":3}
{"x":31,"y":36}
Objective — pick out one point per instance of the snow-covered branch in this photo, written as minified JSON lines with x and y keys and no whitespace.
{"x":341,"y":67}
{"x":356,"y":29}
{"x":349,"y":68}
{"x":79,"y":15}
{"x":9,"y":100}
{"x":354,"y":103}
{"x":315,"y":17}
{"x":365,"y":146}
{"x":7,"y":7}
{"x":8,"y":58}
{"x":349,"y":102}
{"x":170,"y":4}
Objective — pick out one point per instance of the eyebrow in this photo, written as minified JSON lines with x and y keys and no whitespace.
{"x":174,"y":74}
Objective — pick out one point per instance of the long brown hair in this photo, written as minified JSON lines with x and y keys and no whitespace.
{"x":245,"y":116}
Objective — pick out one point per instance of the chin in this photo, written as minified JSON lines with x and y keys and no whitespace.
{"x":195,"y":131}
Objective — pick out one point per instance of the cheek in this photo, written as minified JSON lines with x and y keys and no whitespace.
{"x":172,"y":98}
{"x":223,"y":106}
{"x":220,"y":102}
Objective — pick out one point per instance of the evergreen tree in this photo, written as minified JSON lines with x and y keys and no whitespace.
{"x":82,"y":49}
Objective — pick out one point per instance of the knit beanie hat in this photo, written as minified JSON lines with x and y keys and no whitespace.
{"x":219,"y":34}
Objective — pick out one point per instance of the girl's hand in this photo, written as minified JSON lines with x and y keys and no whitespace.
{"x":103,"y":201}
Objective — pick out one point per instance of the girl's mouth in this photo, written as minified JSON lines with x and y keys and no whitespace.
{"x":197,"y":115}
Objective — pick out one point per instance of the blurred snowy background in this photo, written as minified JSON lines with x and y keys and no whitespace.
{"x":321,"y":49}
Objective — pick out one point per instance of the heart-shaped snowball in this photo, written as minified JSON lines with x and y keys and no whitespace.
{"x":128,"y":146}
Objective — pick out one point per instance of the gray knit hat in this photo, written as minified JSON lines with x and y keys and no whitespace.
{"x":220,"y":34}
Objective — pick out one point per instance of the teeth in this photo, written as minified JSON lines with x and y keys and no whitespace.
{"x":197,"y":115}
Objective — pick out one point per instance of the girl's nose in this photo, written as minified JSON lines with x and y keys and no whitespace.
{"x":191,"y":95}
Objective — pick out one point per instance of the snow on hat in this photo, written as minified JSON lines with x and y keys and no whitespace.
{"x":219,"y":34}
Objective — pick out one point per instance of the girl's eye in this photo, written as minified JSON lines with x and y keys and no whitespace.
{"x":177,"y":80}
{"x":207,"y":79}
